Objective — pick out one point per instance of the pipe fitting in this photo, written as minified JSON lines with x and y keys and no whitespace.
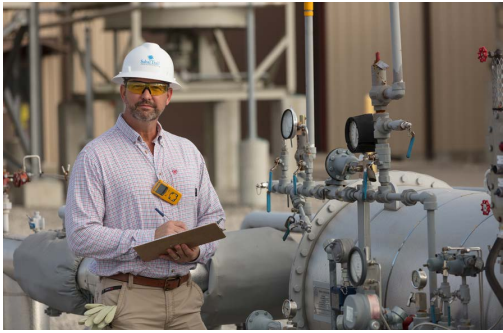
{"x":407,"y":197}
{"x":428,"y":199}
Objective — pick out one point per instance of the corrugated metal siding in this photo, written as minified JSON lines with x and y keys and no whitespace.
{"x":461,"y":84}
{"x":355,"y":31}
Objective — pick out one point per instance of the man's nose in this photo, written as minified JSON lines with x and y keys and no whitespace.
{"x":146,"y":93}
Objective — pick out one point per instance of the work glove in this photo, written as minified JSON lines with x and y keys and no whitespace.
{"x":98,"y":316}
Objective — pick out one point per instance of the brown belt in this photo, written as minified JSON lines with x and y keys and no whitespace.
{"x":166,"y":284}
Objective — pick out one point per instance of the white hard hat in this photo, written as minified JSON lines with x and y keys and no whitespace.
{"x":148,"y":61}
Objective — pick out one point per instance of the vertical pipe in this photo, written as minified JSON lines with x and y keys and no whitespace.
{"x":252,"y":104}
{"x":396,"y":42}
{"x":116,"y":53}
{"x":39,"y":320}
{"x":430,"y":217}
{"x":89,"y":88}
{"x":428,"y":81}
{"x":35,"y":85}
{"x":333,"y":285}
{"x":291,"y":73}
{"x":308,"y":19}
{"x":136,"y":34}
{"x":481,"y":294}
{"x":363,"y":224}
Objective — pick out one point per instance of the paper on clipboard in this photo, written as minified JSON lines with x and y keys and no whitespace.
{"x":194,"y":237}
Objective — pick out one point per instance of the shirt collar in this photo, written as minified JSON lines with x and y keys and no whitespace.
{"x":133,"y":136}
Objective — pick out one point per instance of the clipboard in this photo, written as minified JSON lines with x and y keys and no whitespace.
{"x":194,"y":237}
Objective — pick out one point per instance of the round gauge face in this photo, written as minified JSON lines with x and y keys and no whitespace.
{"x":356,"y":269}
{"x":288,"y":124}
{"x":353,"y":135}
{"x":287,"y":308}
{"x":419,"y":279}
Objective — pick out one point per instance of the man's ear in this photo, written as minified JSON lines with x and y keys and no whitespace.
{"x":123,"y":93}
{"x":170,"y":94}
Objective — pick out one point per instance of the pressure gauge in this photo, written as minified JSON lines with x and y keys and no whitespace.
{"x":357,"y":266}
{"x":360,"y":134}
{"x":419,"y":279}
{"x":289,"y":308}
{"x":288,"y":124}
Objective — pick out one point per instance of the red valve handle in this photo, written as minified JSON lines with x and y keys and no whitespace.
{"x":486,"y":207}
{"x":482,"y":54}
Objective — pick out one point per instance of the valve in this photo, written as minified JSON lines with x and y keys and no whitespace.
{"x":269,"y":185}
{"x":20,"y":178}
{"x":482,"y":54}
{"x":486,"y":207}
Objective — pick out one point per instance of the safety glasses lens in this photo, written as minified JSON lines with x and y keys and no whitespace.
{"x":155,"y":88}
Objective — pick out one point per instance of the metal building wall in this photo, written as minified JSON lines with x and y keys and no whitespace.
{"x":462,"y":86}
{"x":355,"y":31}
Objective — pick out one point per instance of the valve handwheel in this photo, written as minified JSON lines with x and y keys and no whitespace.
{"x":482,"y":54}
{"x":486,"y":207}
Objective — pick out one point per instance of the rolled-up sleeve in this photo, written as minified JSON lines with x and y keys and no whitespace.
{"x":84,"y":214}
{"x":209,"y":210}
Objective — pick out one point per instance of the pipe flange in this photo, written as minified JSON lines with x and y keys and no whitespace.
{"x":406,"y":197}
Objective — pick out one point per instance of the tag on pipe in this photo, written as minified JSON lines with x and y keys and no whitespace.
{"x":308,"y":8}
{"x":412,"y":139}
{"x":365,"y":184}
{"x":269,"y":188}
{"x":295,"y":184}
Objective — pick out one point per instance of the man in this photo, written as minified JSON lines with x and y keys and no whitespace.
{"x":110,"y":207}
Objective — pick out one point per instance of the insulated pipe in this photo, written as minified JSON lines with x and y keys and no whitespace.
{"x":396,"y":42}
{"x":252,"y":104}
{"x":430,"y":219}
{"x":89,"y":88}
{"x":490,"y":262}
{"x":35,"y":84}
{"x":308,"y":19}
{"x":136,"y":38}
{"x":259,"y":219}
{"x":10,"y":244}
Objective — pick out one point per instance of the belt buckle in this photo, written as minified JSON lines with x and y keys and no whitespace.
{"x":179,"y":278}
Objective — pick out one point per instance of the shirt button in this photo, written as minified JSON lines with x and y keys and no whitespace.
{"x":172,"y":271}
{"x":160,"y":173}
{"x":146,"y":152}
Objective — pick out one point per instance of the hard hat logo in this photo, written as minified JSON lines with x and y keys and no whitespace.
{"x":148,"y":61}
{"x":151,"y":61}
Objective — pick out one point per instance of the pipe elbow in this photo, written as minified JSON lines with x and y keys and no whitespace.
{"x":396,"y":91}
{"x":429,"y":200}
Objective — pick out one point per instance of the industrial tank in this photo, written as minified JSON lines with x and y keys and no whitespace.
{"x":399,"y":244}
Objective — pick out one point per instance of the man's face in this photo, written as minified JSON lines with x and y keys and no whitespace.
{"x":144,"y":106}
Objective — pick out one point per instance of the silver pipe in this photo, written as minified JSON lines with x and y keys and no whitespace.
{"x":291,"y":72}
{"x":309,"y":78}
{"x":430,"y":217}
{"x":252,"y":104}
{"x":89,"y":88}
{"x":136,"y":26}
{"x":259,"y":219}
{"x":363,"y":223}
{"x":38,"y":319}
{"x":35,"y":84}
{"x":481,"y":294}
{"x":396,"y":42}
{"x":9,"y":246}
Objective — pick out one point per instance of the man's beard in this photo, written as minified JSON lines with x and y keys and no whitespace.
{"x":141,"y":115}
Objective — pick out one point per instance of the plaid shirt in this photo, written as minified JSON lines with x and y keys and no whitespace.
{"x":110,"y":208}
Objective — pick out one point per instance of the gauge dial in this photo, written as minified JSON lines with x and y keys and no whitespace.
{"x":288,"y":124}
{"x":289,"y":308}
{"x":357,"y":266}
{"x":353,"y":134}
{"x":359,"y":132}
{"x":419,"y":279}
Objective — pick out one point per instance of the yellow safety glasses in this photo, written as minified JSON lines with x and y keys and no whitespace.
{"x":155,"y":89}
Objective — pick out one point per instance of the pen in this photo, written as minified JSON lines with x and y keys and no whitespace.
{"x":160,"y":213}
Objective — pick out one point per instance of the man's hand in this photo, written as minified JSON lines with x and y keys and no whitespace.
{"x":181,"y":254}
{"x":170,"y":228}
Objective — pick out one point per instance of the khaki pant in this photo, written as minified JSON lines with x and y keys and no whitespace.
{"x":142,"y":307}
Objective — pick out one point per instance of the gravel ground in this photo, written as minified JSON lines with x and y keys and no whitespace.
{"x":463,"y":175}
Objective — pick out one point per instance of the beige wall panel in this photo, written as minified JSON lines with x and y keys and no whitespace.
{"x":355,"y":31}
{"x":460,"y":82}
